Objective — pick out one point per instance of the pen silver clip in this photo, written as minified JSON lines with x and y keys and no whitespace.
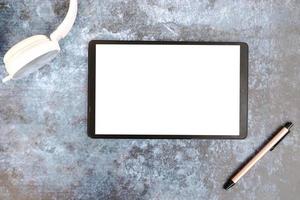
{"x":279,"y":141}
{"x":288,"y":125}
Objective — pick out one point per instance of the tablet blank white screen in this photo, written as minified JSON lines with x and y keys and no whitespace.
{"x":167,"y":89}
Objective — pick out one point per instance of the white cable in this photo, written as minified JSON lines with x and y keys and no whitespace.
{"x":6,"y":79}
{"x":64,"y":28}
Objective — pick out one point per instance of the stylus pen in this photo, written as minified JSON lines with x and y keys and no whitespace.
{"x":268,"y":147}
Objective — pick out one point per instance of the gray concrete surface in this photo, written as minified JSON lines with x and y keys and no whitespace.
{"x":44,"y":150}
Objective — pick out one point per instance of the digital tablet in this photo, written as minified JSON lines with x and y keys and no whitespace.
{"x":148,"y":89}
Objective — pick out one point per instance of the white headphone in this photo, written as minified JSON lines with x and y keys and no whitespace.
{"x":33,"y":53}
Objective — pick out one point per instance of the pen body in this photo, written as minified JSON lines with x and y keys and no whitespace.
{"x":260,"y":154}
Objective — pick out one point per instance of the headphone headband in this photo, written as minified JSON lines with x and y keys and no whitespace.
{"x":64,"y":28}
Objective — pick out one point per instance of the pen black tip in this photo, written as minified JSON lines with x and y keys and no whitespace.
{"x":228,"y":184}
{"x":289,"y":125}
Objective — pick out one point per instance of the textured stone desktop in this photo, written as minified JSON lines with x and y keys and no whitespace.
{"x":44,"y":149}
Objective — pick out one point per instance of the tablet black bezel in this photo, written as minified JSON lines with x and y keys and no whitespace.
{"x":243,"y":91}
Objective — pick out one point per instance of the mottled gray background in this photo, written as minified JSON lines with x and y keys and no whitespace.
{"x":44,"y":150}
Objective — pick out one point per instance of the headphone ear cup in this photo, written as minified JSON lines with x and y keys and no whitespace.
{"x":22,"y":45}
{"x":29,"y":55}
